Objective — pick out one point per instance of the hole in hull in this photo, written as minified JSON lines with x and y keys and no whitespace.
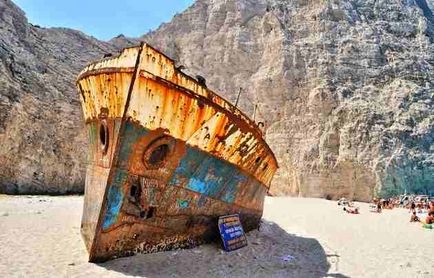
{"x":149,"y":213}
{"x":133,"y":191}
{"x":103,"y":137}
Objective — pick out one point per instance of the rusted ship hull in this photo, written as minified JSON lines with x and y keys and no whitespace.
{"x":167,"y":157}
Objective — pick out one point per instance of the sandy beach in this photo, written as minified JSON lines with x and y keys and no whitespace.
{"x":40,"y":237}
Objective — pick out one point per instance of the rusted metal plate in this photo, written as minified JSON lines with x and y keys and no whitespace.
{"x":167,"y":157}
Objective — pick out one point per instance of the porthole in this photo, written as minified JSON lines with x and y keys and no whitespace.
{"x":158,"y":155}
{"x":103,"y":137}
{"x":158,"y":152}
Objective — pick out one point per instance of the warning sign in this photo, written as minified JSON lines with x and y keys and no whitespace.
{"x":231,"y":232}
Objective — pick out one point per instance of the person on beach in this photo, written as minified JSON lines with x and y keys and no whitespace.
{"x":419,"y":207}
{"x":430,"y":218}
{"x":414,"y":217}
{"x":412,"y":207}
{"x":351,"y":210}
{"x":379,"y":207}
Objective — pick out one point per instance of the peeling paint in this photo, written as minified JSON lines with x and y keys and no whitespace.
{"x":114,"y":200}
{"x":183,"y":204}
{"x":171,"y":158}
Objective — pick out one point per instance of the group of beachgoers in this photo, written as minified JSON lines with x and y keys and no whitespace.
{"x":421,"y":208}
{"x":413,"y":206}
{"x":378,"y":205}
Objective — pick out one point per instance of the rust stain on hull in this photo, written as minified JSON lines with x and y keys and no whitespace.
{"x":167,"y":157}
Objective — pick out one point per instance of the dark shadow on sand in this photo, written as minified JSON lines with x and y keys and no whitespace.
{"x":263,"y":257}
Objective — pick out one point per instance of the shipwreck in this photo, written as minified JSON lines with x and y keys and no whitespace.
{"x":167,"y":157}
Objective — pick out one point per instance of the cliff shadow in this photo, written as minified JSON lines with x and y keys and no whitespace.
{"x":271,"y":252}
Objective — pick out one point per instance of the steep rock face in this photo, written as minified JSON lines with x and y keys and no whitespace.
{"x":344,"y":87}
{"x":42,"y":140}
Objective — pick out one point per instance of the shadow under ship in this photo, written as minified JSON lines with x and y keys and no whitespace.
{"x":166,"y":158}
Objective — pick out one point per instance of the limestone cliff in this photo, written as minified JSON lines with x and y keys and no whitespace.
{"x":344,"y":88}
{"x":42,"y":140}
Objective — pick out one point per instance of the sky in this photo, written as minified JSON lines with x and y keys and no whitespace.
{"x":103,"y":19}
